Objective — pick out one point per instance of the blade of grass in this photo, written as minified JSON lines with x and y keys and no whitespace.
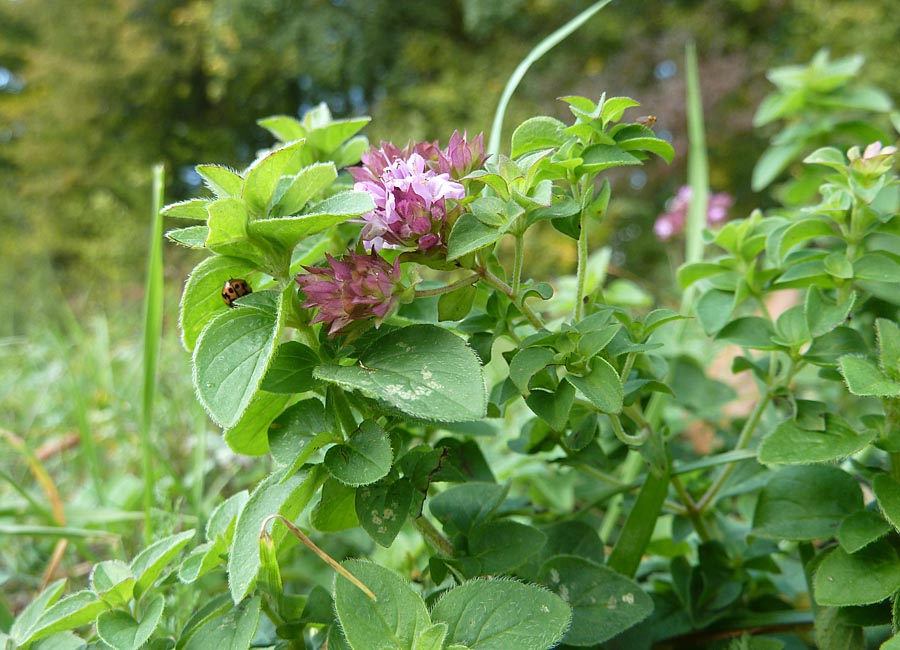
{"x":539,"y":50}
{"x":153,"y":313}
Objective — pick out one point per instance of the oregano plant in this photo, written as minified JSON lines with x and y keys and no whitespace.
{"x":518,"y":456}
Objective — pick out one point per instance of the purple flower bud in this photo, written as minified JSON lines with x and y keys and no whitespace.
{"x":673,"y":220}
{"x":353,"y":288}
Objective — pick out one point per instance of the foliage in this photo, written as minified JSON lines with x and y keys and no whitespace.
{"x":381,"y":388}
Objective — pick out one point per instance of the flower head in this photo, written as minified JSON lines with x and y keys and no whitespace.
{"x":874,"y":161}
{"x":672,"y":221}
{"x":353,"y":288}
{"x":410,"y":188}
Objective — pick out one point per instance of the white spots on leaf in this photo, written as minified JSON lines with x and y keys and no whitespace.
{"x":389,"y":514}
{"x":628,"y":599}
{"x":407,"y":394}
{"x":612,"y":603}
{"x":564,"y":592}
{"x":554,"y":576}
{"x":545,"y":609}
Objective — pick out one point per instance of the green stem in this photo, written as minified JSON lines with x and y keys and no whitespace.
{"x":459,"y":284}
{"x":433,"y":537}
{"x":743,"y":440}
{"x":518,"y":262}
{"x":581,"y":273}
{"x":499,"y":284}
{"x":630,"y":470}
{"x":690,"y":507}
{"x":342,"y":408}
{"x":632,"y":440}
{"x":626,"y":368}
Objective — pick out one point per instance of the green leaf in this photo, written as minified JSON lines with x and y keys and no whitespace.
{"x":190,"y":209}
{"x":149,"y":563}
{"x":501,"y":546}
{"x":461,"y":507}
{"x":305,"y":186}
{"x":824,"y":314}
{"x":300,"y":431}
{"x":120,"y":631}
{"x":802,"y":231}
{"x":833,"y":633}
{"x":526,"y":364}
{"x":601,"y":386}
{"x":537,"y":133}
{"x":394,"y":621}
{"x":502,"y":614}
{"x":792,"y":444}
{"x":860,"y":529}
{"x":650,"y":144}
{"x":791,"y":330}
{"x":336,"y":510}
{"x":611,"y":110}
{"x":688,"y":274}
{"x":888,"y":333}
{"x":868,"y":576}
{"x":287,"y":498}
{"x":432,"y":638}
{"x":383,"y":509}
{"x":261,"y":178}
{"x":714,"y":309}
{"x":73,"y":611}
{"x":190,"y":237}
{"x":877,"y":267}
{"x":287,"y":232}
{"x":232,"y":630}
{"x":749,"y":332}
{"x":224,"y":182}
{"x":553,"y":406}
{"x":228,"y":219}
{"x":828,"y":348}
{"x":456,"y":305}
{"x":59,"y":641}
{"x":24,"y":625}
{"x":113,"y":581}
{"x":604,"y":603}
{"x":231,"y":357}
{"x":631,"y":545}
{"x":422,"y":370}
{"x":887,"y":491}
{"x":598,"y":157}
{"x":364,"y":458}
{"x":249,"y":436}
{"x":328,"y":137}
{"x":865,"y":379}
{"x":283,"y":127}
{"x":202,"y":297}
{"x":291,"y":369}
{"x":469,"y":234}
{"x":806,"y":502}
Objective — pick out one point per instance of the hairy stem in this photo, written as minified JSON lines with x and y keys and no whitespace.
{"x":433,"y":537}
{"x":459,"y":284}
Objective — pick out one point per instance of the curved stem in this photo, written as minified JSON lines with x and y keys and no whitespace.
{"x":433,"y":537}
{"x":632,"y":440}
{"x":459,"y":284}
{"x":497,"y":283}
{"x":330,"y":561}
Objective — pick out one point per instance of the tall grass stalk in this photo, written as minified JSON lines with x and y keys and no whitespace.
{"x":153,"y":317}
{"x":698,"y":165}
{"x":518,"y":74}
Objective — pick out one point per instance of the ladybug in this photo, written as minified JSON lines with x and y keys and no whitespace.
{"x":234,"y":289}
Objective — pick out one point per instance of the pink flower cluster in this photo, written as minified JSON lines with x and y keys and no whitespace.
{"x":410,"y":188}
{"x":353,"y":288}
{"x":673,"y":220}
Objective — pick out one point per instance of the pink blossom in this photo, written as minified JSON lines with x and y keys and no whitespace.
{"x":353,"y":288}
{"x":673,"y":220}
{"x":410,"y":188}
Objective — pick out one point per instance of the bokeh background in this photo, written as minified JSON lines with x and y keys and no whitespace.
{"x":93,"y":92}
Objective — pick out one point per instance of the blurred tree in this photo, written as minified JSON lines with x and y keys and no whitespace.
{"x":110,"y":86}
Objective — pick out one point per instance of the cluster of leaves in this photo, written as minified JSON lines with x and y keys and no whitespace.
{"x":383,"y":429}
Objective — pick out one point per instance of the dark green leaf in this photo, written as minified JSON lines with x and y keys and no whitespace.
{"x":601,"y":386}
{"x":364,"y":458}
{"x":867,"y":576}
{"x":501,"y":546}
{"x":887,"y":491}
{"x":120,"y":631}
{"x":792,"y":444}
{"x":749,"y":332}
{"x":553,"y":406}
{"x":864,"y":378}
{"x":383,"y":509}
{"x":714,"y":309}
{"x":336,"y":510}
{"x":467,"y":505}
{"x":469,"y":235}
{"x":860,"y":529}
{"x":291,"y":369}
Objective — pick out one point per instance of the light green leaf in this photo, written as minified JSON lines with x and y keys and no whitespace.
{"x":190,"y":209}
{"x":202,"y":300}
{"x":792,"y":444}
{"x":283,"y":127}
{"x":877,"y":267}
{"x":714,"y":309}
{"x":328,"y":137}
{"x":24,"y":625}
{"x":261,"y":178}
{"x":113,"y":581}
{"x":502,"y":614}
{"x":73,"y":611}
{"x":304,"y":186}
{"x":888,"y":346}
{"x":802,"y":231}
{"x":190,"y":237}
{"x":432,"y":638}
{"x":860,"y":529}
{"x":469,"y":235}
{"x":864,"y":378}
{"x":598,"y":157}
{"x":228,"y":219}
{"x":232,"y":630}
{"x":749,"y":332}
{"x":537,"y":133}
{"x":120,"y":631}
{"x":222,"y":181}
{"x":823,"y":314}
{"x":291,"y":369}
{"x":232,"y":354}
{"x":336,"y":509}
{"x":290,"y":231}
{"x":887,"y":491}
{"x":526,"y":364}
{"x":364,"y":458}
{"x":422,"y":370}
{"x":249,"y":435}
{"x":300,"y":431}
{"x":392,"y":622}
{"x":601,"y":386}
{"x":868,"y":576}
{"x":149,"y":563}
{"x":383,"y":509}
{"x":806,"y":502}
{"x":287,"y":498}
{"x":604,"y":603}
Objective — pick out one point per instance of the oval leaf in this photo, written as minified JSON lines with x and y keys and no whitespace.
{"x":364,"y":458}
{"x":120,"y":631}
